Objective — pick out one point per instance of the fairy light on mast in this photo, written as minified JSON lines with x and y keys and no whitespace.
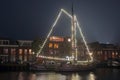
{"x":61,"y":11}
{"x":75,"y":24}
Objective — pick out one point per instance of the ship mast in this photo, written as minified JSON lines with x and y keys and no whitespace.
{"x":73,"y":36}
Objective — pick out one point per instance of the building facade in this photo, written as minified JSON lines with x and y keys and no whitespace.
{"x":58,"y":46}
{"x":21,"y":50}
{"x":61,"y":46}
{"x":105,"y":52}
{"x":15,"y":51}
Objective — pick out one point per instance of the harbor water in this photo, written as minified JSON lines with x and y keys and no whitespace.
{"x":98,"y":74}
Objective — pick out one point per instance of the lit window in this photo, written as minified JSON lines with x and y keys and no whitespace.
{"x":6,"y":51}
{"x":55,"y":45}
{"x":30,"y":51}
{"x":13,"y":51}
{"x":25,"y":51}
{"x":57,"y":39}
{"x":113,"y":54}
{"x":20,"y":51}
{"x":50,"y":45}
{"x":116,"y":53}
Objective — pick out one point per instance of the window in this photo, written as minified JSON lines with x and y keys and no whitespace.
{"x":113,"y":55}
{"x":55,"y":45}
{"x":5,"y":51}
{"x":57,"y":39}
{"x":0,"y":51}
{"x":5,"y":42}
{"x":20,"y":51}
{"x":50,"y":45}
{"x":25,"y":51}
{"x":13,"y":51}
{"x":25,"y":56}
{"x":30,"y":51}
{"x":1,"y":43}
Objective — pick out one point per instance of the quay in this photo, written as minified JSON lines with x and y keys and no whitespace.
{"x":27,"y":67}
{"x":14,"y":67}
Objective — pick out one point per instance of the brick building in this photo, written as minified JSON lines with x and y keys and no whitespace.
{"x":15,"y":51}
{"x":104,"y":52}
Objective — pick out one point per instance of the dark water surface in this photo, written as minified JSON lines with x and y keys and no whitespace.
{"x":98,"y":74}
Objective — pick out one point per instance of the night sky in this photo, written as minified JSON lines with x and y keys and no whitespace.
{"x":28,"y":19}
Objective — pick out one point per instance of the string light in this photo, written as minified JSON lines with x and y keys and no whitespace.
{"x":80,"y":30}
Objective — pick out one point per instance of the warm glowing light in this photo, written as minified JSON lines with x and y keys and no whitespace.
{"x":49,"y":32}
{"x":62,"y":10}
{"x":66,"y":13}
{"x":33,"y":53}
{"x":81,"y":33}
{"x":56,"y":46}
{"x":91,"y":54}
{"x":69,"y":40}
{"x":50,"y":45}
{"x":56,"y":39}
{"x":91,"y":76}
{"x":75,"y":77}
{"x":20,"y":51}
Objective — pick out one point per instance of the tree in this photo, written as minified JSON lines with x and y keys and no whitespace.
{"x":37,"y":43}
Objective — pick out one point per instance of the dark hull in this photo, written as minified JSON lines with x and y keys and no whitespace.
{"x":75,"y":68}
{"x":63,"y":68}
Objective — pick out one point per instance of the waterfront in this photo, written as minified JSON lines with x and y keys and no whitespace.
{"x":98,"y":74}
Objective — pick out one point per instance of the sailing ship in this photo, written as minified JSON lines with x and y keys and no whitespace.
{"x":75,"y":64}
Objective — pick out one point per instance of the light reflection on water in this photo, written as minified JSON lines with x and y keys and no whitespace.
{"x":56,"y":76}
{"x":50,"y":76}
{"x":99,"y":74}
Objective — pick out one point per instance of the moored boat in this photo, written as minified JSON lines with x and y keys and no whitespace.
{"x":75,"y":67}
{"x":38,"y":67}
